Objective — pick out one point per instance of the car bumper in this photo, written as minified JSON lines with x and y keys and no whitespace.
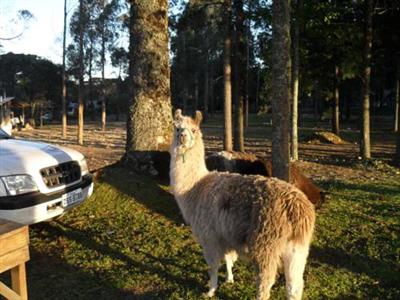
{"x":37,"y":207}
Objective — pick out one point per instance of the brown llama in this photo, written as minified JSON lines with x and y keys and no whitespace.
{"x":248,"y":163}
{"x":265,"y":219}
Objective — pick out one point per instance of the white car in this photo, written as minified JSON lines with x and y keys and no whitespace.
{"x":39,"y":181}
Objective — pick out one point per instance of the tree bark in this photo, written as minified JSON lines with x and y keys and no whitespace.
{"x":365,"y":144}
{"x":149,"y":126}
{"x":212,"y":105}
{"x":185,"y":85}
{"x":103,"y":63}
{"x":335,"y":106}
{"x":206,"y":89}
{"x":227,"y":80}
{"x":281,"y":88}
{"x":396,"y":126}
{"x":295,"y":85}
{"x":196,"y":92}
{"x":64,"y":84}
{"x":246,"y":92}
{"x":397,"y":97}
{"x":258,"y":89}
{"x":239,"y":59}
{"x":91,"y":101}
{"x":81,"y":69}
{"x":397,"y":154}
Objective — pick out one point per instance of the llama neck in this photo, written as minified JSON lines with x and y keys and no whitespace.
{"x":186,"y":170}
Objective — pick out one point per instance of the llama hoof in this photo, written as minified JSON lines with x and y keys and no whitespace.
{"x":230,"y":280}
{"x":211,"y":293}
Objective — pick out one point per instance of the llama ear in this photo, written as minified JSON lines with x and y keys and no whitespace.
{"x":198,"y":118}
{"x":178,"y":114}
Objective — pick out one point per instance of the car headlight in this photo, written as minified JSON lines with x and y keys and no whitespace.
{"x":3,"y":191}
{"x":84,"y":167}
{"x":19,"y":184}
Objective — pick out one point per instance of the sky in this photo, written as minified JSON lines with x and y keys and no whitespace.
{"x":43,"y":34}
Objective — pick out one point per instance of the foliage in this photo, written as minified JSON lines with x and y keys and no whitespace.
{"x":30,"y":78}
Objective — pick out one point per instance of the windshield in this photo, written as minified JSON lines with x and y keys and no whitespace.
{"x":4,"y":135}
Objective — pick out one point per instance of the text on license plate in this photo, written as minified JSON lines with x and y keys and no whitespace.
{"x":72,"y":197}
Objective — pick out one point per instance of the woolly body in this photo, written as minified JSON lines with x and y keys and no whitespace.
{"x":266,"y":218}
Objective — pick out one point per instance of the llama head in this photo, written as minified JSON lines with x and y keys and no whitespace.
{"x":186,"y":132}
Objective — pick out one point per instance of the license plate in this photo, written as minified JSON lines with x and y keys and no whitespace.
{"x":72,"y":197}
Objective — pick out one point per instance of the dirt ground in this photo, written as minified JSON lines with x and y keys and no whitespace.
{"x":319,"y":161}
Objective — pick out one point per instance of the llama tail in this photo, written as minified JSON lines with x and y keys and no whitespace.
{"x":285,"y":217}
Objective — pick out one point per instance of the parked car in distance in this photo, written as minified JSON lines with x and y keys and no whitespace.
{"x":39,"y":181}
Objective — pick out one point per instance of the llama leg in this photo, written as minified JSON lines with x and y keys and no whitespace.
{"x":213,"y":272}
{"x":294,"y":260}
{"x":266,"y":278}
{"x":267,"y":270}
{"x":213,"y":259}
{"x":230,"y":259}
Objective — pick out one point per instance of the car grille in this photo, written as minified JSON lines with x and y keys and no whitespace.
{"x":61,"y":174}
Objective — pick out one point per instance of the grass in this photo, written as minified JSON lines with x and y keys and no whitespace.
{"x":128,"y":241}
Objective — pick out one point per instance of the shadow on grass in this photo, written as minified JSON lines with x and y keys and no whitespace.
{"x":145,"y":190}
{"x":381,"y":190}
{"x":51,"y":277}
{"x":386,"y":274}
{"x":91,"y":286}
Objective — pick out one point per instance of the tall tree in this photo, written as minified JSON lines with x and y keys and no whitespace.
{"x":335,"y":106}
{"x":106,"y":23}
{"x":227,"y":79}
{"x":281,"y":70}
{"x":149,"y":125}
{"x":81,"y":71}
{"x":396,"y":126}
{"x":397,"y":107}
{"x":365,"y":144}
{"x":64,"y":83}
{"x":295,"y":84}
{"x":240,"y":74}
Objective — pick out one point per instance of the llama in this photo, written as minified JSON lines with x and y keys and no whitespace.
{"x":248,"y":163}
{"x":262,"y":218}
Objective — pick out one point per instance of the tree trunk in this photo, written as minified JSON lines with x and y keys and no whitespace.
{"x":397,"y":154}
{"x":396,"y":126}
{"x":149,"y":126}
{"x":212,"y":104}
{"x":103,"y":63}
{"x":295,"y":85}
{"x":227,"y":80}
{"x":64,"y":84}
{"x":196,"y":92}
{"x":185,"y":85}
{"x":335,"y":107}
{"x":239,"y":59}
{"x":206,"y":85}
{"x":365,"y":144}
{"x":91,"y":101}
{"x":397,"y":117}
{"x":81,"y":87}
{"x":258,"y":90}
{"x":280,"y":88}
{"x":41,"y":114}
{"x":246,"y":98}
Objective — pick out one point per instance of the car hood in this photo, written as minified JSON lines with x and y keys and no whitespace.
{"x":26,"y":157}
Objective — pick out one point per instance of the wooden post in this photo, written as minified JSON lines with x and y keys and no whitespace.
{"x":18,"y":280}
{"x":14,"y":252}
